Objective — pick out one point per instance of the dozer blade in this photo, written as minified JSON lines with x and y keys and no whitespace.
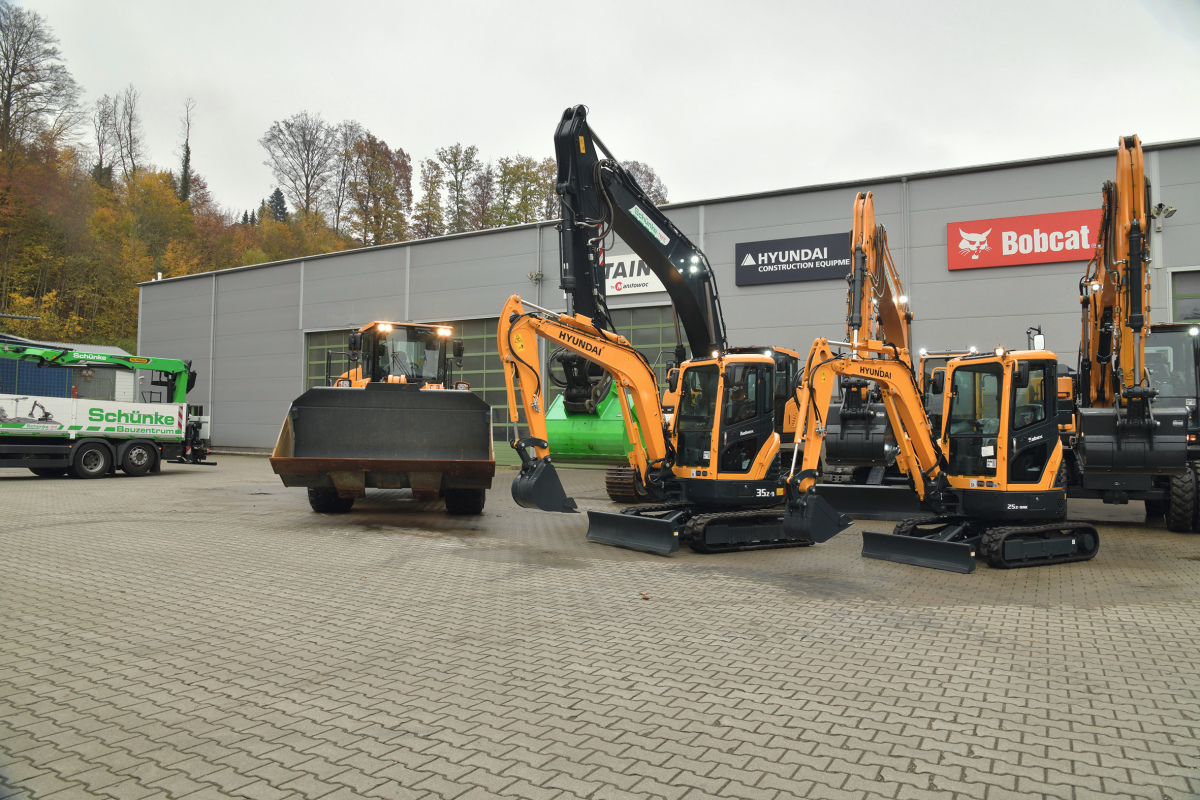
{"x":647,"y":534}
{"x":813,"y":519}
{"x":538,"y":486}
{"x":920,"y":552}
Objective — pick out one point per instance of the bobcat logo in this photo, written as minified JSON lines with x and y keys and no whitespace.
{"x":973,"y":243}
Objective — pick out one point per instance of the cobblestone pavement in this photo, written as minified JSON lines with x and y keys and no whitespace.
{"x":201,"y":633}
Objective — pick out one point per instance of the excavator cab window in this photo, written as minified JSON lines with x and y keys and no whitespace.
{"x":697,"y":415}
{"x":748,"y":414}
{"x":973,"y":424}
{"x":786,"y":367}
{"x":1034,"y":420}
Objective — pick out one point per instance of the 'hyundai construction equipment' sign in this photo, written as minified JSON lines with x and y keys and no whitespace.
{"x":628,"y":274}
{"x":1011,"y":241}
{"x":808,"y":258}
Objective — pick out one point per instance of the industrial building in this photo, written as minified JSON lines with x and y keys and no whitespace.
{"x":984,"y":253}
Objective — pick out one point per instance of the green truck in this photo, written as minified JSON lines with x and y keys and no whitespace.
{"x":54,"y":436}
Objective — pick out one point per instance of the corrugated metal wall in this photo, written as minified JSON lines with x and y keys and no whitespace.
{"x":245,"y":329}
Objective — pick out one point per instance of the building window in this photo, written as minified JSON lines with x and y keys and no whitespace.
{"x":1185,"y":296}
{"x":320,"y":344}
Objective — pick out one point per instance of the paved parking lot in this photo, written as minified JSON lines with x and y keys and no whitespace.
{"x":201,"y":633}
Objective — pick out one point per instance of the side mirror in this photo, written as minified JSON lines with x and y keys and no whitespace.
{"x":673,"y":381}
{"x":459,"y":348}
{"x":1039,"y":342}
{"x":937,"y":384}
{"x":1022,"y":376}
{"x":354,"y":341}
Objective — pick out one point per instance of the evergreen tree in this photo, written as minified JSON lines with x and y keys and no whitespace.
{"x":185,"y":174}
{"x":245,"y":217}
{"x":254,"y":219}
{"x":278,"y":206}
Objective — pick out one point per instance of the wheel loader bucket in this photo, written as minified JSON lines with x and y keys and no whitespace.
{"x":387,"y":436}
{"x":814,"y":519}
{"x":647,"y":534}
{"x":920,"y":552}
{"x":538,"y":486}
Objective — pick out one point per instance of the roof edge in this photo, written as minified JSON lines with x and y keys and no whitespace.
{"x":816,"y":187}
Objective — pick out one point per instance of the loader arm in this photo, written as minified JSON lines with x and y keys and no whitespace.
{"x":919,"y":455}
{"x":516,"y":338}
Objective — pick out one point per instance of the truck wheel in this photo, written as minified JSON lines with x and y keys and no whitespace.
{"x":464,"y":502}
{"x":138,"y":459}
{"x":1181,"y":507}
{"x":326,"y":501}
{"x":49,"y":472}
{"x":91,"y":461}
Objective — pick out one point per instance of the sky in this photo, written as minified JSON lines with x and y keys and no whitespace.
{"x":719,"y":98}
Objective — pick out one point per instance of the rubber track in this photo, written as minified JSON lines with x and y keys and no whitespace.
{"x":620,"y":483}
{"x":992,"y":545}
{"x":1181,"y":509}
{"x":694,"y":532}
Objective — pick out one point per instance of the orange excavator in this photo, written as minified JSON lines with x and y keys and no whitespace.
{"x":708,"y":454}
{"x":990,"y":475}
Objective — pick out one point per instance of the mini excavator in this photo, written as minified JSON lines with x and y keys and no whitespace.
{"x":708,"y":452}
{"x":992,"y":481}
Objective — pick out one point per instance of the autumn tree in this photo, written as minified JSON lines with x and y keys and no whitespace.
{"x":300,"y":152}
{"x":380,"y":192}
{"x":37,"y":93}
{"x":481,"y":198}
{"x":520,"y":191}
{"x":648,"y":179}
{"x":459,"y":164}
{"x":127,"y":132}
{"x":104,"y":130}
{"x":277,"y":206}
{"x":185,"y":165}
{"x":337,"y":192}
{"x":427,"y":215}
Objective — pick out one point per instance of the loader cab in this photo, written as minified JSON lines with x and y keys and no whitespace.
{"x":399,"y":353}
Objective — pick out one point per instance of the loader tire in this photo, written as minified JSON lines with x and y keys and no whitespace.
{"x":326,"y":501}
{"x":465,"y":502}
{"x":48,"y":472}
{"x":1181,"y":505}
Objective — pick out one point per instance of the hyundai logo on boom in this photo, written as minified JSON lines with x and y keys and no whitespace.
{"x":805,"y":258}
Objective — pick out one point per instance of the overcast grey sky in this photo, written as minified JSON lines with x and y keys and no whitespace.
{"x":720,"y":98}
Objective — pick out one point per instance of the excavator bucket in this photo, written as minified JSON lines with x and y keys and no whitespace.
{"x":538,"y":486}
{"x":634,"y":532}
{"x":387,"y":436}
{"x":813,"y":518}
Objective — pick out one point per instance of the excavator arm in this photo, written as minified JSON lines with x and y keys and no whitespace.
{"x":1115,"y":291}
{"x":599,"y":197}
{"x":919,"y":456}
{"x":876,"y":306}
{"x":520,"y":325}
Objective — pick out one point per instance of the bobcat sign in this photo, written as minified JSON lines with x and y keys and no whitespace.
{"x":1012,"y":241}
{"x":807,"y":258}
